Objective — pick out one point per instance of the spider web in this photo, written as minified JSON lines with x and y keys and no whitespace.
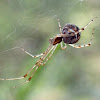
{"x":30,"y":24}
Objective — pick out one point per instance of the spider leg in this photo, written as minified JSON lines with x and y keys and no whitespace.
{"x":41,"y":58}
{"x":63,"y":47}
{"x":59,"y":25}
{"x":34,"y":56}
{"x":11,"y":78}
{"x":87,"y":25}
{"x":85,"y":45}
{"x":49,"y":55}
{"x":28,"y":78}
{"x":38,"y":65}
{"x":82,"y":29}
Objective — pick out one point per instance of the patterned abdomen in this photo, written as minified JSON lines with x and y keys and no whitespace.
{"x":71,"y":29}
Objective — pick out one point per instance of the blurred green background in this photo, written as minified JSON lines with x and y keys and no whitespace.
{"x":71,"y":74}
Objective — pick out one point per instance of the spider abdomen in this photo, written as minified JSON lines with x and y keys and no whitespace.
{"x":71,"y":29}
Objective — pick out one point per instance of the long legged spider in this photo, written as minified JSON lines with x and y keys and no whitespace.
{"x":70,"y":34}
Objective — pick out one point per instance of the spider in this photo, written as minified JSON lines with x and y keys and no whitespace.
{"x":70,"y":34}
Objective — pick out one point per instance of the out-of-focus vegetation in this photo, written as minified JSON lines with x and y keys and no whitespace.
{"x":71,"y":74}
